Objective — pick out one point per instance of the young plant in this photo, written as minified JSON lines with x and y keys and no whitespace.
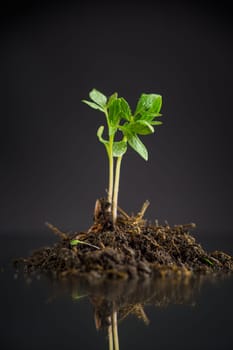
{"x":120,"y":119}
{"x":75,"y":242}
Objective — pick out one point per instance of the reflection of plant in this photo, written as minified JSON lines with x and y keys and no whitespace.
{"x":120,"y":119}
{"x":136,"y":310}
{"x":114,"y":302}
{"x":113,"y":339}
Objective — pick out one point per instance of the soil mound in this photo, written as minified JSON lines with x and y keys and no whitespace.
{"x":133,"y":248}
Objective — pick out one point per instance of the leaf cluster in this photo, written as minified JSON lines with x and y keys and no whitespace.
{"x":120,"y":117}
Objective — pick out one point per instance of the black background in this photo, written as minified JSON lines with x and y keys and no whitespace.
{"x":52,"y":165}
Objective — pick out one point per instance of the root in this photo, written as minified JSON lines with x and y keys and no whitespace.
{"x":136,"y":222}
{"x":141,"y":213}
{"x":56,"y":231}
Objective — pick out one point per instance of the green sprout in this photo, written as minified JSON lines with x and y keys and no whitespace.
{"x":75,"y":242}
{"x":207,"y":261}
{"x":120,"y":119}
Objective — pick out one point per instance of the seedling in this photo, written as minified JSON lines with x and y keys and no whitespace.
{"x":120,"y":119}
{"x":207,"y":261}
{"x":75,"y":242}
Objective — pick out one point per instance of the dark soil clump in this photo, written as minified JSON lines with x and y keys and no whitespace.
{"x":133,"y":248}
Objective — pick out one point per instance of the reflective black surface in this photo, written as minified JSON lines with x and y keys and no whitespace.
{"x":40,"y":313}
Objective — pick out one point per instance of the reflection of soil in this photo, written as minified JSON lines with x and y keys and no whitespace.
{"x":114,"y":301}
{"x":130,"y":297}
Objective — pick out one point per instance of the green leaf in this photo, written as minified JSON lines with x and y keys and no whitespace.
{"x":125,"y":109}
{"x":119,"y":148}
{"x":114,"y":113}
{"x":93,"y":105}
{"x":137,"y":145}
{"x":112,"y":98}
{"x":148,"y":104}
{"x":156,"y":122}
{"x":100,"y":133}
{"x":141,"y":127}
{"x":147,"y":116}
{"x":101,"y":139}
{"x":98,"y":97}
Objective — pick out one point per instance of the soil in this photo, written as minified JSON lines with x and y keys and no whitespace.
{"x":132,"y":248}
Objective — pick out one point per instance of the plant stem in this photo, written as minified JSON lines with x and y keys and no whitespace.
{"x":115,"y":330}
{"x":111,"y":170}
{"x":110,"y":338}
{"x":116,"y":189}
